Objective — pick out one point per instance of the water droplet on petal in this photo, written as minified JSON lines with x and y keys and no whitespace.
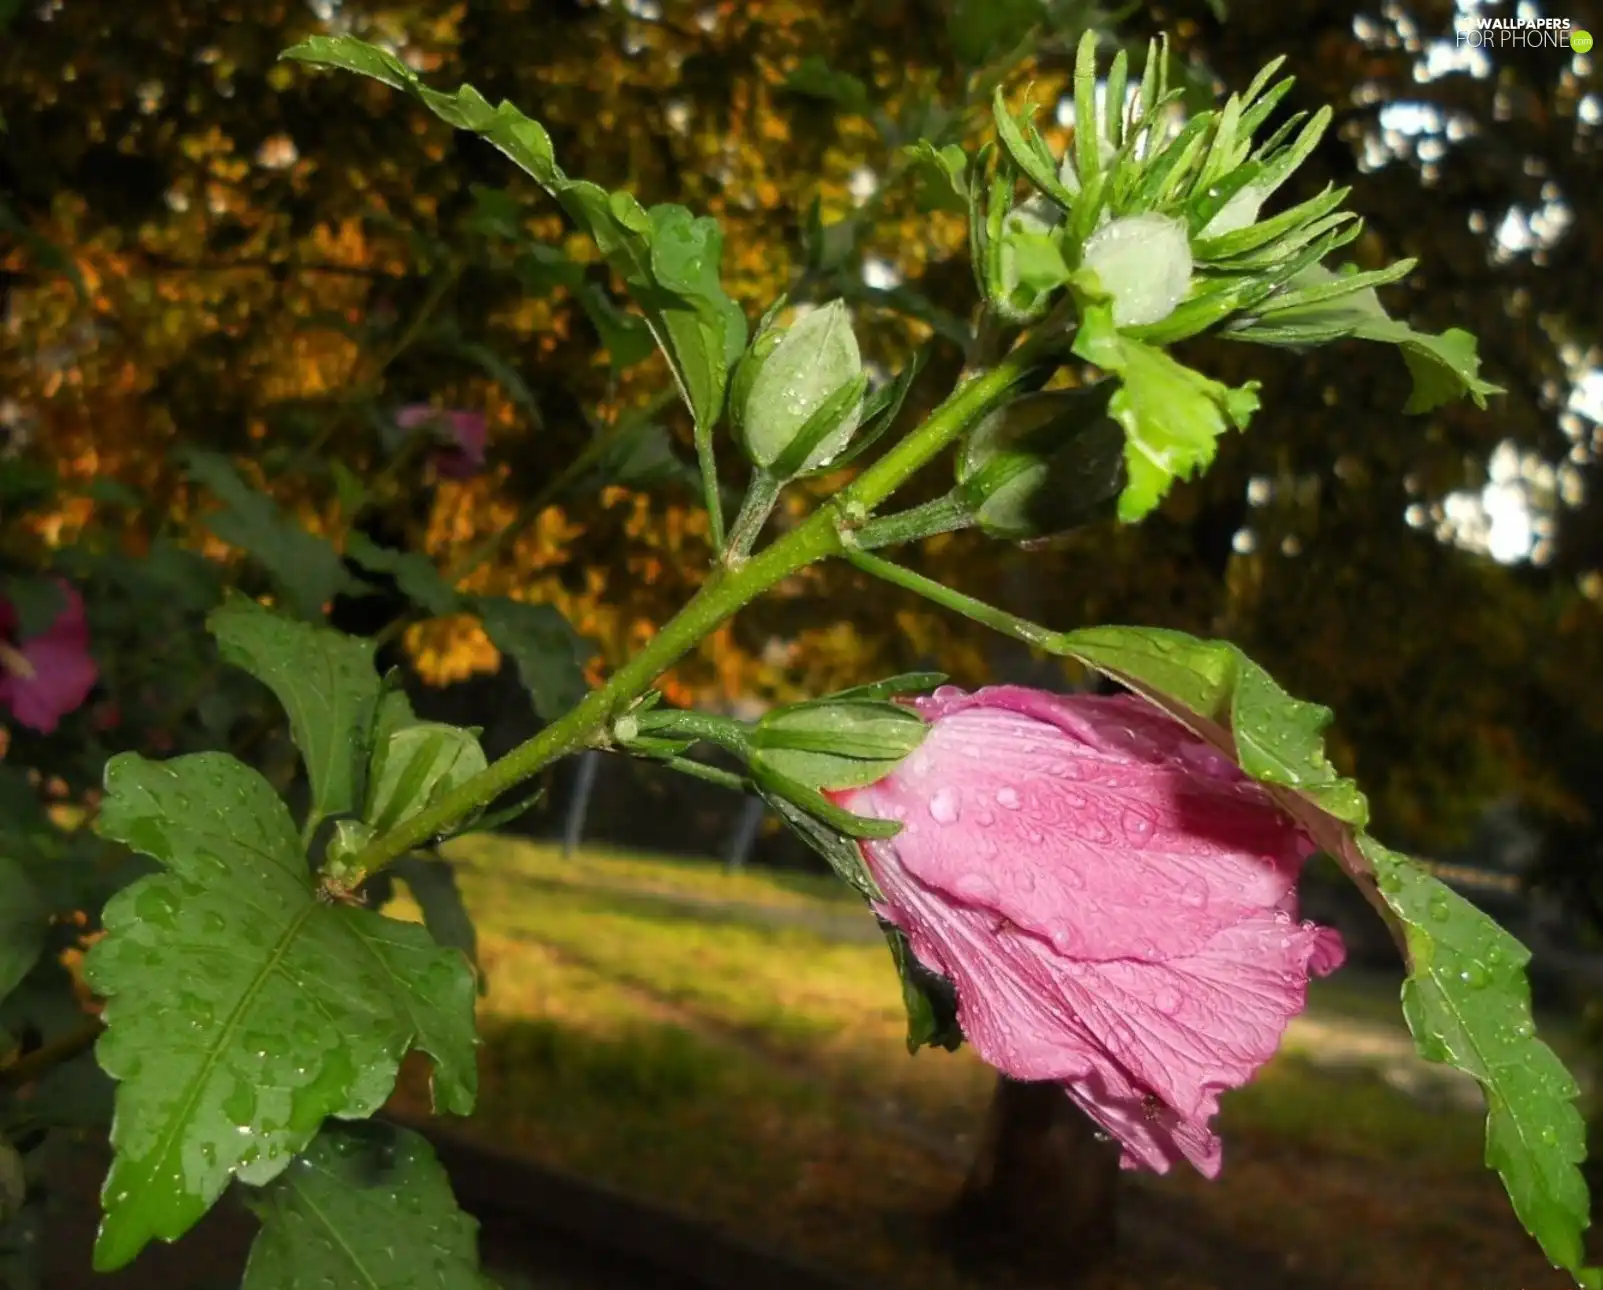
{"x":1167,"y":1001}
{"x":1008,"y":797}
{"x":975,"y":886}
{"x":943,"y":807}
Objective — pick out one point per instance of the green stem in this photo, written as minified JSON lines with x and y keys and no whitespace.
{"x":707,"y":460}
{"x":709,"y":727}
{"x":996,"y":619}
{"x":710,"y":774}
{"x":976,"y":396}
{"x":946,"y":514}
{"x":754,"y":513}
{"x":720,"y":597}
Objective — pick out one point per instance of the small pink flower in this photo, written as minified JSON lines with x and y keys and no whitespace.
{"x":1114,"y":902}
{"x":462,"y":435}
{"x":44,"y":677}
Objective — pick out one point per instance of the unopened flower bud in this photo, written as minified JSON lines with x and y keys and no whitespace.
{"x":1043,"y":464}
{"x":789,"y":377}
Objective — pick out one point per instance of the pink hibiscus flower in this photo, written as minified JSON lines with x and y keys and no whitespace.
{"x":44,"y":677}
{"x":462,"y":435}
{"x":1114,"y":902}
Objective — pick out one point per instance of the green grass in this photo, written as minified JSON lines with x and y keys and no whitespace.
{"x":709,"y":1041}
{"x":637,"y":872}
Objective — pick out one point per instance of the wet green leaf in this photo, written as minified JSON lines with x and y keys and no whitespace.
{"x":549,"y":654}
{"x":1172,"y":415}
{"x":242,"y":1010}
{"x":1466,"y":998}
{"x":326,"y":683}
{"x":368,"y":1205}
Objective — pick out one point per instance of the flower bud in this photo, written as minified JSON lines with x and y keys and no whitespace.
{"x":1027,"y":261}
{"x":1043,"y":464}
{"x":789,"y":376}
{"x":1144,"y":263}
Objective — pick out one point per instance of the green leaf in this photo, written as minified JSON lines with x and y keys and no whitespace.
{"x":816,"y":79}
{"x":326,"y":683}
{"x":891,"y":686}
{"x":1466,"y":999}
{"x":624,"y":336}
{"x":242,"y":1010}
{"x":1323,"y":306}
{"x":1444,"y":367}
{"x":1468,"y":1004}
{"x":837,"y":743}
{"x":23,"y":923}
{"x":368,"y":1205}
{"x":415,"y":765}
{"x":37,"y":602}
{"x":981,"y":29}
{"x":432,"y":882}
{"x":415,"y":574}
{"x":1226,"y":697}
{"x":642,"y":456}
{"x":305,"y":567}
{"x":840,"y":852}
{"x":668,"y":259}
{"x":549,"y":654}
{"x":941,"y":175}
{"x":1172,"y":415}
{"x":930,"y":1000}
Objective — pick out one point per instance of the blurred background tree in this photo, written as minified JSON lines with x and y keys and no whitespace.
{"x":268,"y":262}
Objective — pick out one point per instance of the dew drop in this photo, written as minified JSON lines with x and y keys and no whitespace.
{"x":975,"y":886}
{"x":1167,"y":1001}
{"x":1008,"y":798}
{"x":1474,"y":976}
{"x":1439,"y":909}
{"x":943,"y":807}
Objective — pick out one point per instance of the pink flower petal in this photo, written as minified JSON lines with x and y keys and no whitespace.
{"x":64,"y":671}
{"x":1106,"y":854}
{"x":1112,"y":900}
{"x":463,"y":435}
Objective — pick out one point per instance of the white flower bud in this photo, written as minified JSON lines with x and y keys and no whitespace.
{"x":1144,"y":263}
